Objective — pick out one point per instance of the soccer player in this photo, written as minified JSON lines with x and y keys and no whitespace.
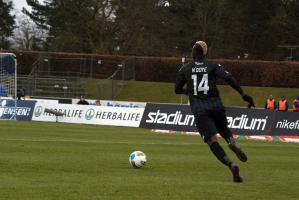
{"x":200,"y":77}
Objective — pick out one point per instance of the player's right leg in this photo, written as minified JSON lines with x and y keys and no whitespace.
{"x":238,"y":151}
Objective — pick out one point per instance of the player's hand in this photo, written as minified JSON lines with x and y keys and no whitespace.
{"x":248,"y":99}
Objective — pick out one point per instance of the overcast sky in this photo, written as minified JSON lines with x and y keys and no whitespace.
{"x":19,"y":4}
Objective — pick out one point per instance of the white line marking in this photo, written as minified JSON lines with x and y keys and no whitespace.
{"x":260,"y":144}
{"x":101,"y":142}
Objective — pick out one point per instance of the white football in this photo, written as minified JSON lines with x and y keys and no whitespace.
{"x":137,"y":159}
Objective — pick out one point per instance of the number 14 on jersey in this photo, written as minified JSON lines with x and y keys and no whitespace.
{"x":203,"y":86}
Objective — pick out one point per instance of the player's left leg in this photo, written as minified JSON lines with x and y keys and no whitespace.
{"x":222,"y":157}
{"x":221,"y":124}
{"x":218,"y":151}
{"x":206,"y":127}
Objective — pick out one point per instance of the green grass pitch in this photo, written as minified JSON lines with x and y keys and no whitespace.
{"x":54,"y":161}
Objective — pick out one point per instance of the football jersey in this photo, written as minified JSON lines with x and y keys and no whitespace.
{"x":200,"y":78}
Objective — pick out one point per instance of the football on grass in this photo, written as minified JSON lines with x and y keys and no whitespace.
{"x":137,"y":159}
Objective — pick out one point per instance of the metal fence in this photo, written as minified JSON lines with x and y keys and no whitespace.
{"x":109,"y":88}
{"x":67,"y":77}
{"x":44,"y":80}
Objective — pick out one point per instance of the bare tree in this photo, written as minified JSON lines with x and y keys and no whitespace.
{"x":27,"y":35}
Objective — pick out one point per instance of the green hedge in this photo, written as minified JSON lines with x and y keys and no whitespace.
{"x":247,"y":72}
{"x":160,"y":69}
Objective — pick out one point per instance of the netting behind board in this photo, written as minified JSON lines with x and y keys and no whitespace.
{"x":8,"y":78}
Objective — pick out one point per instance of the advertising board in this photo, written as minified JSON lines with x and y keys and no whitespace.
{"x":241,"y":121}
{"x":16,"y":109}
{"x":89,"y":114}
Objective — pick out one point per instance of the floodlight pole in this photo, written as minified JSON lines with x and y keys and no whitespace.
{"x":16,"y":86}
{"x":183,"y":63}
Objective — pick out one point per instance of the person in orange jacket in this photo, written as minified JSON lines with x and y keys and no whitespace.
{"x":283,"y":104}
{"x":296,"y":104}
{"x":271,"y":104}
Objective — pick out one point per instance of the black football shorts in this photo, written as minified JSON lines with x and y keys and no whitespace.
{"x":211,"y":122}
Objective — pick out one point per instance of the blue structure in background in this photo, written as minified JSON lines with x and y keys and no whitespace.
{"x":8,"y":73}
{"x":2,"y":91}
{"x":8,"y":62}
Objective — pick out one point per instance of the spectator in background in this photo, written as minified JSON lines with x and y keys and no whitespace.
{"x":296,"y":104}
{"x":98,"y":103}
{"x":2,"y":91}
{"x":271,"y":104}
{"x":283,"y":104}
{"x":21,"y":93}
{"x":82,"y":101}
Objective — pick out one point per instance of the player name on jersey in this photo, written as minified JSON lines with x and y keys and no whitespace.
{"x":199,"y":69}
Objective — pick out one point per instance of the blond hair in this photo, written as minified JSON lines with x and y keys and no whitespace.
{"x":203,"y":45}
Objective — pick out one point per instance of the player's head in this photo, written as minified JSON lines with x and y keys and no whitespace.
{"x":282,"y":97}
{"x":270,"y":96}
{"x":199,"y":50}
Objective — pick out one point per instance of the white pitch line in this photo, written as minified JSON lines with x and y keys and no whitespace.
{"x":99,"y":142}
{"x":143,"y":143}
